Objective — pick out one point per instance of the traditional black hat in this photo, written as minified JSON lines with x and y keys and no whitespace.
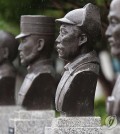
{"x":36,"y":24}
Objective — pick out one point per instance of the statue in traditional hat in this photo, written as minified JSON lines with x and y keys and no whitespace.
{"x":79,"y":30}
{"x":37,"y":42}
{"x":8,"y":52}
{"x":113,"y":35}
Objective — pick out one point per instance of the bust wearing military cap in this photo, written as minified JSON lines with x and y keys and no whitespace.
{"x":8,"y":52}
{"x":37,"y":40}
{"x":79,"y":29}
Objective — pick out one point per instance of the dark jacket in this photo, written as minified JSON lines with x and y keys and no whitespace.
{"x":38,"y":87}
{"x":7,"y":84}
{"x":76,"y":90}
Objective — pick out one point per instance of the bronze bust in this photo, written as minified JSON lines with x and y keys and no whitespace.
{"x":8,"y":52}
{"x":79,"y":29}
{"x":37,"y":42}
{"x":113,"y":35}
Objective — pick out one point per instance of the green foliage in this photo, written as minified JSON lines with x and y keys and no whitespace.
{"x":100,"y":2}
{"x":9,"y":26}
{"x":100,"y":110}
{"x":11,"y":11}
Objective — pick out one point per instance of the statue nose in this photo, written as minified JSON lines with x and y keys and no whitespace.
{"x":20,"y":47}
{"x":58,"y":40}
{"x":108,"y":31}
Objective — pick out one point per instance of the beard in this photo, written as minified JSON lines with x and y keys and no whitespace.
{"x":26,"y":61}
{"x":115,"y":51}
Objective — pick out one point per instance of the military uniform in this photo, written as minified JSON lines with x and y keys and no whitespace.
{"x":37,"y":90}
{"x":7,"y":84}
{"x":38,"y":87}
{"x":76,"y":90}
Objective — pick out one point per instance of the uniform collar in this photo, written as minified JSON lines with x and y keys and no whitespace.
{"x":39,"y":65}
{"x":81,"y":60}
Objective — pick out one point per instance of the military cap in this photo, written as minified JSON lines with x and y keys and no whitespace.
{"x":88,"y":17}
{"x":36,"y":24}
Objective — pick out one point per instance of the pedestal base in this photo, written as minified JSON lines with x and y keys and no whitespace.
{"x":75,"y":125}
{"x":6,"y":112}
{"x":31,"y":122}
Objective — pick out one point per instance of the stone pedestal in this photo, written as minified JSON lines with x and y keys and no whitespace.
{"x":75,"y":125}
{"x":6,"y":112}
{"x":31,"y":122}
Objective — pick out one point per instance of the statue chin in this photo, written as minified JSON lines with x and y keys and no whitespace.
{"x":115,"y":53}
{"x":24,"y":63}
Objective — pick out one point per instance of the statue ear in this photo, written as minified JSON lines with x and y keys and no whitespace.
{"x":82,"y":39}
{"x":6,"y":52}
{"x":40,"y":44}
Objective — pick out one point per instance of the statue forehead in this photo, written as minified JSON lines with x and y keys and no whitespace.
{"x":115,"y":8}
{"x":4,"y":37}
{"x":30,"y":37}
{"x":68,"y":26}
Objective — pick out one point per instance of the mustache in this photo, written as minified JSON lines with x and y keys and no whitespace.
{"x":59,"y":47}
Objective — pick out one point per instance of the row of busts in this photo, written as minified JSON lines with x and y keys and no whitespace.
{"x":79,"y":30}
{"x":38,"y":88}
{"x":73,"y":96}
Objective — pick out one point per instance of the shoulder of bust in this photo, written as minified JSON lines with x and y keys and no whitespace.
{"x":89,"y":67}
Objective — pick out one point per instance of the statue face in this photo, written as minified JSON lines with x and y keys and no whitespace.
{"x":67,"y":42}
{"x":113,"y":30}
{"x":28,"y":50}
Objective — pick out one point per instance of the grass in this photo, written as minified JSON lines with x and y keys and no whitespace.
{"x":100,"y":110}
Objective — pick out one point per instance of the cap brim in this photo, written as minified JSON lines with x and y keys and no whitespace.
{"x":64,"y":20}
{"x":21,"y":35}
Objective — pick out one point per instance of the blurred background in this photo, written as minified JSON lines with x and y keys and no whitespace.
{"x":10,"y":12}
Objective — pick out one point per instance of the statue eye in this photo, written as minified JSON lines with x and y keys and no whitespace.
{"x":23,"y":40}
{"x":114,"y":21}
{"x":63,"y":32}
